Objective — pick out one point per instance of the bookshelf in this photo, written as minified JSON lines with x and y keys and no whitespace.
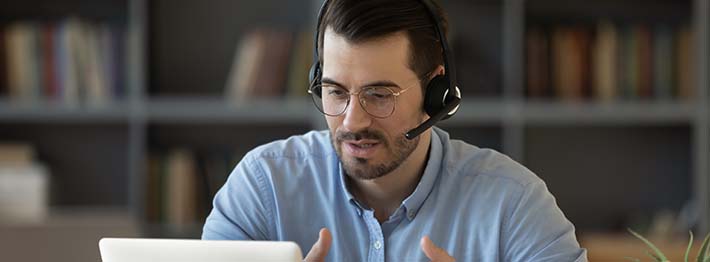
{"x":604,"y":161}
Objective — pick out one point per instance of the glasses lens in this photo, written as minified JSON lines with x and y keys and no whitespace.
{"x":330,"y":100}
{"x":377,"y":101}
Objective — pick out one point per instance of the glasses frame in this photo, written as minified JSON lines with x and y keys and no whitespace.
{"x":351,"y":94}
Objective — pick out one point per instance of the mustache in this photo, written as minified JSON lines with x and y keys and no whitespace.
{"x":366,"y":134}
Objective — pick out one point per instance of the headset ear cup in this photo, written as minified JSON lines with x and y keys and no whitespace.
{"x":434,"y":96}
{"x":314,"y":73}
{"x":450,"y":98}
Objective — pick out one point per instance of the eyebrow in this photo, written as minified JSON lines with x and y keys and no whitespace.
{"x":386,"y":83}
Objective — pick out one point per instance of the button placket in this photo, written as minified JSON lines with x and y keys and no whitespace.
{"x":376,"y":253}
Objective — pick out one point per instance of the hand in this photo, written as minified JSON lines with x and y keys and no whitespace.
{"x":320,"y":248}
{"x":436,"y":254}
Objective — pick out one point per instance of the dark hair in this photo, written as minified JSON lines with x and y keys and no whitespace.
{"x":363,"y":20}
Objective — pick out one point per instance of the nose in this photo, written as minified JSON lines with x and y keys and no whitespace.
{"x":355,"y":118}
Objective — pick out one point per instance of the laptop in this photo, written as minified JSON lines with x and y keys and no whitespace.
{"x":179,"y":250}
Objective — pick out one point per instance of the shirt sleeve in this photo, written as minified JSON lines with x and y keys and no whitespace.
{"x":538,"y":231}
{"x":242,"y":208}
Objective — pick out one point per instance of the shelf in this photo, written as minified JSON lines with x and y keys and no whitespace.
{"x":610,"y":113}
{"x":580,"y":10}
{"x":55,"y":112}
{"x":193,"y":230}
{"x":294,"y":110}
{"x":547,"y":112}
{"x":67,"y":235}
{"x":220,"y":110}
{"x":43,"y":9}
{"x":478,"y":111}
{"x":88,"y":216}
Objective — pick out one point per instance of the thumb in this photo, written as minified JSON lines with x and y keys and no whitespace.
{"x":436,"y":254}
{"x":321,"y":247}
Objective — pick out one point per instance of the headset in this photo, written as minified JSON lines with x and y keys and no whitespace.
{"x":442,"y":97}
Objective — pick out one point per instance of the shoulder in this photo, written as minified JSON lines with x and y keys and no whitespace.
{"x":466,"y":162}
{"x":309,"y":145}
{"x":293,"y":162}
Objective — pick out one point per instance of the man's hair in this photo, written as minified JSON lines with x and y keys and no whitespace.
{"x":364,"y":20}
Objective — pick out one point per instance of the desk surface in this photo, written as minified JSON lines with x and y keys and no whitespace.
{"x":614,"y":247}
{"x":66,"y":236}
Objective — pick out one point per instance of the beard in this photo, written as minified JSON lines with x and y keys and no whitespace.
{"x":397,"y":152}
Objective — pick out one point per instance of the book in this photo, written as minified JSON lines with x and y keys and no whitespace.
{"x":180,"y":198}
{"x":23,"y":73}
{"x":108,"y":59}
{"x":663,"y":62}
{"x":66,"y":63}
{"x":273,"y":67}
{"x":49,"y":72}
{"x":3,"y":64}
{"x":582,"y":49}
{"x":685,"y":63}
{"x":644,"y":87}
{"x":301,"y":62}
{"x":628,"y":82}
{"x":605,"y":67}
{"x":245,"y":65}
{"x":118,"y":64}
{"x":537,"y":62}
{"x":97,"y":93}
{"x":154,"y":192}
{"x":34,"y":61}
{"x":571,"y":65}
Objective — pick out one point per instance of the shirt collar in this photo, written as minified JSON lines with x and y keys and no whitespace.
{"x":414,"y":201}
{"x":344,"y":187}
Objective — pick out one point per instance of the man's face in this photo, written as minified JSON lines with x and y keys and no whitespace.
{"x":370,"y":147}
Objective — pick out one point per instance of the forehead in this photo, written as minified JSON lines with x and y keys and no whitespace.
{"x":382,"y":58}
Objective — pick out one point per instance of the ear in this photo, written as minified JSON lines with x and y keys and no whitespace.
{"x":438,"y":71}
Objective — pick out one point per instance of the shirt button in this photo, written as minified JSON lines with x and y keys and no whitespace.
{"x":378,"y":244}
{"x":411,"y":214}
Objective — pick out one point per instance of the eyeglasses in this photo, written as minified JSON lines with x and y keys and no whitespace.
{"x":333,"y":100}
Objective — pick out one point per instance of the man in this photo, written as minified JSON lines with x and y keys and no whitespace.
{"x":361,"y":191}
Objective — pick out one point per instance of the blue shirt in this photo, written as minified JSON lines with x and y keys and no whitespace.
{"x":477,"y":204}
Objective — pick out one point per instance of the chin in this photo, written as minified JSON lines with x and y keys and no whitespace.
{"x":389,"y":156}
{"x":361,"y":170}
{"x":369,"y":168}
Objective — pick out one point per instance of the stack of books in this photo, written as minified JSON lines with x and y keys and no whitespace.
{"x":182,"y":182}
{"x":610,"y":61}
{"x":270,"y":63}
{"x":24,"y":185}
{"x":72,"y":62}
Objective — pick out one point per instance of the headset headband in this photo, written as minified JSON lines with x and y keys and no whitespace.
{"x":450,"y":71}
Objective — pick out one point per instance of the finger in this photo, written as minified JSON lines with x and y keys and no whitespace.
{"x":320,"y":249}
{"x":433,"y":252}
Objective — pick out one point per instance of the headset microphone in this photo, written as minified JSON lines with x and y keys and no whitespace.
{"x":451,"y":107}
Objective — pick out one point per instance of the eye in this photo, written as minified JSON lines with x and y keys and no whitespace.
{"x":335,"y":92}
{"x":378,"y":93}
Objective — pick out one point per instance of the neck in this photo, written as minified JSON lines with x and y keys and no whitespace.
{"x":386,"y":193}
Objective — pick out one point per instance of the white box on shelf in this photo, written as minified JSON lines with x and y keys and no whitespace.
{"x":24,"y":196}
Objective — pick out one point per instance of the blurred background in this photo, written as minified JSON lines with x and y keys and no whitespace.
{"x":122,"y":118}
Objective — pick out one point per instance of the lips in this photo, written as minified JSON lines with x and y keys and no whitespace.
{"x":361,"y":148}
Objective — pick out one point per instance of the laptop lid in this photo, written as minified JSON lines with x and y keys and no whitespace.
{"x":179,"y":250}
